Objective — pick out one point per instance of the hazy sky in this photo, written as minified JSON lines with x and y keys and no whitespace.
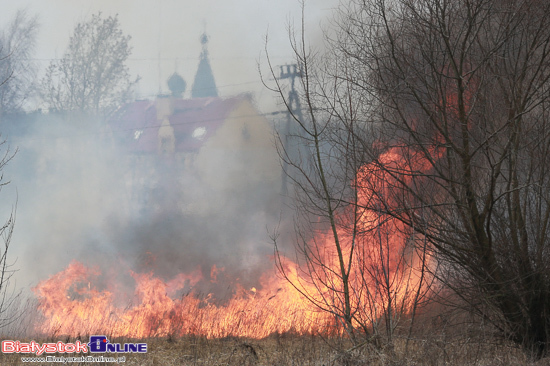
{"x":171,"y":29}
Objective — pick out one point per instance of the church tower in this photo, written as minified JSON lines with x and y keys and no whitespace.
{"x":204,"y":84}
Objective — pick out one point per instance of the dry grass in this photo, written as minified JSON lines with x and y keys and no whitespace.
{"x":312,"y":351}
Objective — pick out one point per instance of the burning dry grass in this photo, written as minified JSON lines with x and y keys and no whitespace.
{"x":287,"y":349}
{"x":435,"y":343}
{"x":70,"y":304}
{"x":242,"y":331}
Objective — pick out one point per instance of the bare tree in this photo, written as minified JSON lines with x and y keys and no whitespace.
{"x":17,"y":71}
{"x":9,"y":294}
{"x":455,"y":96}
{"x":17,"y":81}
{"x":353,"y":260}
{"x":92,"y":77}
{"x":460,"y":93}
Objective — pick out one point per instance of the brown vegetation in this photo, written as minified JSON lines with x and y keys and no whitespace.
{"x":286,"y":349}
{"x":427,"y":121}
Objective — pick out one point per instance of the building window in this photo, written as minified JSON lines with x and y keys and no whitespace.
{"x":199,"y":133}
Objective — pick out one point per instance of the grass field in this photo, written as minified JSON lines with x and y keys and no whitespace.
{"x":440,"y":340}
{"x":309,"y":350}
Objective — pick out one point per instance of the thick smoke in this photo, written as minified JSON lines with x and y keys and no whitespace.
{"x":83,"y":197}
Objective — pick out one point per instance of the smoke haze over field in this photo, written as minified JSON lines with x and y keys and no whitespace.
{"x":72,"y":183}
{"x":75,"y":203}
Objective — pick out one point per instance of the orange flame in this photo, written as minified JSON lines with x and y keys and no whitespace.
{"x":72,"y":304}
{"x":277,"y":307}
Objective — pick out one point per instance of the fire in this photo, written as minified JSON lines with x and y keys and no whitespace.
{"x":276,"y":307}
{"x":384,"y":276}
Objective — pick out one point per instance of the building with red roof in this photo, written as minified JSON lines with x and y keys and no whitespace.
{"x":218,"y":144}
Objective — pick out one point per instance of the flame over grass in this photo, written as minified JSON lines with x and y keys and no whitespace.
{"x":385,"y":275}
{"x":277,"y":307}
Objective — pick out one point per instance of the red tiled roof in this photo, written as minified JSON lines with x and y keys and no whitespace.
{"x":137,"y":127}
